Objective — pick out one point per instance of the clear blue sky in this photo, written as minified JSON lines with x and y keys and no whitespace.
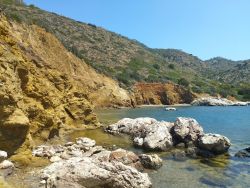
{"x":206,"y":28}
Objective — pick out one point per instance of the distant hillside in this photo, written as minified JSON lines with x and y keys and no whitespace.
{"x":16,"y":2}
{"x":129,"y":61}
{"x":126,"y":60}
{"x":228,"y":71}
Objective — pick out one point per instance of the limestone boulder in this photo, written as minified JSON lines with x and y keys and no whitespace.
{"x":214,"y":143}
{"x":186,"y":130}
{"x":84,"y":172}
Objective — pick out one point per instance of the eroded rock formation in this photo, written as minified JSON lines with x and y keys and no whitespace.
{"x":44,"y":89}
{"x":157,"y":93}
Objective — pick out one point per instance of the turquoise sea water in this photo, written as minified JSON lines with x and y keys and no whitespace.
{"x":222,"y":171}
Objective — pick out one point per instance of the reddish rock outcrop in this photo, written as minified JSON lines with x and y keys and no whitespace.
{"x":159,"y":93}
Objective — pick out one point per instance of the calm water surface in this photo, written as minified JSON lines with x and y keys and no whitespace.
{"x":222,"y":171}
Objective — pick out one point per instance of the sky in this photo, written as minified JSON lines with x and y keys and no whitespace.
{"x":205,"y":28}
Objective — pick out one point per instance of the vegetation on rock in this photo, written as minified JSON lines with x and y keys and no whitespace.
{"x":129,"y":61}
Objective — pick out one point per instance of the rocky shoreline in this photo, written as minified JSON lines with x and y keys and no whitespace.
{"x":82,"y":163}
{"x":186,"y":133}
{"x":217,"y":101}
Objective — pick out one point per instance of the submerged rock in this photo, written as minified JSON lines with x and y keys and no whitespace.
{"x":151,"y":161}
{"x":126,"y":157}
{"x":212,"y":101}
{"x":245,"y":153}
{"x":214,"y":143}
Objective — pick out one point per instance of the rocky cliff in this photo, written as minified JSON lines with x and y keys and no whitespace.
{"x":158,"y":93}
{"x":44,"y":89}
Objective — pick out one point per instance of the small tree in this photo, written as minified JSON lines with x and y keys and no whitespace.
{"x":171,"y":66}
{"x":183,"y":82}
{"x":156,"y":66}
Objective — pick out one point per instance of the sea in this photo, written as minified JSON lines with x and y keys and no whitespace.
{"x":222,"y":171}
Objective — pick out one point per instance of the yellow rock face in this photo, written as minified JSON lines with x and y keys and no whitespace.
{"x":44,"y":89}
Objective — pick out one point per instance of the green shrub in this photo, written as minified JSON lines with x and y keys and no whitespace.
{"x":171,"y":66}
{"x":183,"y":82}
{"x":15,"y":17}
{"x":32,"y":6}
{"x":123,"y":78}
{"x":196,"y":89}
{"x":156,"y":66}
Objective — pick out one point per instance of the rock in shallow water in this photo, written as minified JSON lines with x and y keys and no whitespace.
{"x":157,"y":137}
{"x":154,"y":135}
{"x":186,"y":130}
{"x":214,"y":143}
{"x":151,"y":161}
{"x":146,"y":132}
{"x":245,"y":153}
{"x":215,"y":101}
{"x":126,"y":157}
{"x":84,"y":172}
{"x":82,"y":164}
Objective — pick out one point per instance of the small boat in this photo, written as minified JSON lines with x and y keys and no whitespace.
{"x":170,"y":109}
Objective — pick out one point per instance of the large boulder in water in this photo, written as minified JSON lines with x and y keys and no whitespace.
{"x":186,"y":130}
{"x":214,"y":143}
{"x":146,"y":132}
{"x":130,"y":126}
{"x":157,"y":137}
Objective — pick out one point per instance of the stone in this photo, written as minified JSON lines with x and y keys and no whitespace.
{"x":130,"y":126}
{"x":146,"y":132}
{"x":217,"y":101}
{"x":151,"y":161}
{"x":44,"y":151}
{"x":84,"y":172}
{"x":85,"y":143}
{"x":138,"y":141}
{"x":245,"y":153}
{"x":3,"y":155}
{"x":186,"y":130}
{"x":68,"y":144}
{"x":214,"y":143}
{"x":55,"y":159}
{"x":157,"y":138}
{"x":6,"y":164}
{"x":126,"y":157}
